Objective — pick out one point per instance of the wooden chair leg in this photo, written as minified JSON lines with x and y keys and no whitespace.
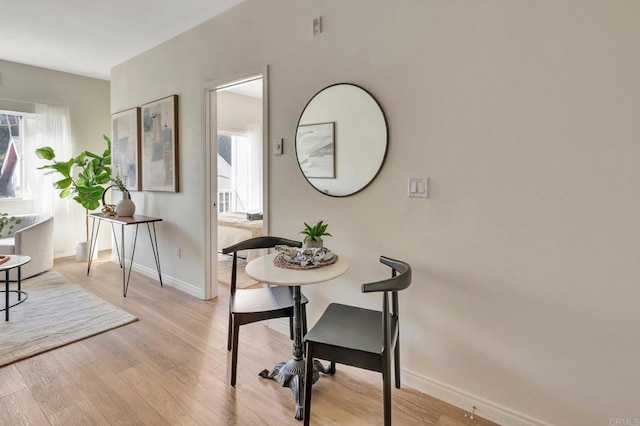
{"x":308,"y":383}
{"x":230,"y":334}
{"x":234,"y":354}
{"x":396,"y":361}
{"x":386,"y":391}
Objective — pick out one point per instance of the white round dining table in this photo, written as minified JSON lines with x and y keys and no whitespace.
{"x":291,"y":373}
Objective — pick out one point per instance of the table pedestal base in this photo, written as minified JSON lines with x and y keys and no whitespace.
{"x":290,"y":374}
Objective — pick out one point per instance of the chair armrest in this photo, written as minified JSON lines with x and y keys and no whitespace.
{"x":37,"y":235}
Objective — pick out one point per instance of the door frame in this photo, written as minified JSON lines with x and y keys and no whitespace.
{"x":211,"y":169}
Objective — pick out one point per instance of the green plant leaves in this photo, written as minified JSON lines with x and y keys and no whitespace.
{"x":316,"y":232}
{"x":45,"y":153}
{"x":83,"y":177}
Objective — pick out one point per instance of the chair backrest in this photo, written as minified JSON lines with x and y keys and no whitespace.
{"x":400,"y":280}
{"x":262,"y":242}
{"x":400,"y":277}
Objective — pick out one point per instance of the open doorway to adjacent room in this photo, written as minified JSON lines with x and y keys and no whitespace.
{"x":239,"y":179}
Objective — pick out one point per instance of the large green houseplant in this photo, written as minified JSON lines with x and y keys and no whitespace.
{"x":82,"y":178}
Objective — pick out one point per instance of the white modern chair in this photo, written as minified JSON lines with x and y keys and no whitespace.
{"x":33,"y":237}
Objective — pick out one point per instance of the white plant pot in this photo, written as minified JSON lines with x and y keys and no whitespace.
{"x":82,"y":251}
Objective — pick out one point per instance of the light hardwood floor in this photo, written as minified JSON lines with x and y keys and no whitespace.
{"x":172,"y":367}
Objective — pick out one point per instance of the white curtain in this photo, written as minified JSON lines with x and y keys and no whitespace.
{"x":255,"y":167}
{"x":48,"y":127}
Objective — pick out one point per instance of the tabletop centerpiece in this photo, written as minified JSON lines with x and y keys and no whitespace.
{"x":314,"y":234}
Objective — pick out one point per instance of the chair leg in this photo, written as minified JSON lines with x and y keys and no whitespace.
{"x":308,"y":383}
{"x":234,"y":354}
{"x":396,"y":361}
{"x":332,"y":367}
{"x":386,"y":391}
{"x":304,"y":320}
{"x":230,"y":334}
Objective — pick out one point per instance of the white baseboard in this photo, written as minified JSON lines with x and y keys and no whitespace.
{"x":166,"y":279}
{"x":464,"y":400}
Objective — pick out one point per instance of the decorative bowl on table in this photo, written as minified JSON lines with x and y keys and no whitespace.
{"x":304,"y":258}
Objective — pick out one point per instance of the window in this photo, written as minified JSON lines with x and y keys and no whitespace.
{"x":233,"y":172}
{"x":11,"y":141}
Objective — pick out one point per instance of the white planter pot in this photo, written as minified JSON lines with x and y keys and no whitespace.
{"x":82,"y":251}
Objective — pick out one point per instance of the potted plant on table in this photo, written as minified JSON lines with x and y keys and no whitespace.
{"x":314,"y":234}
{"x":124,"y":207}
{"x":83,"y":179}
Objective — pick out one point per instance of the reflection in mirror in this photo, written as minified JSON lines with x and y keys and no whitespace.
{"x":341,"y":140}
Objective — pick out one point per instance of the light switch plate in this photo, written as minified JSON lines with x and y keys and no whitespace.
{"x":317,"y":25}
{"x":418,"y":187}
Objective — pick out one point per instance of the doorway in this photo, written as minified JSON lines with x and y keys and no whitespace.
{"x":236,"y":178}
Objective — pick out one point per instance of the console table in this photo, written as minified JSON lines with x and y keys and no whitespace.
{"x":136,"y":220}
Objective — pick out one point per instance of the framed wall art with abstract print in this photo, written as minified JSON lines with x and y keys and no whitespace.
{"x":125,"y":147}
{"x":315,"y":146}
{"x":160,"y":145}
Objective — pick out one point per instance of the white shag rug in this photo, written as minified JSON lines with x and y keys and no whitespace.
{"x":55,"y":314}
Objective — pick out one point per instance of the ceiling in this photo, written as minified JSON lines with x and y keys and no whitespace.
{"x":88,"y":37}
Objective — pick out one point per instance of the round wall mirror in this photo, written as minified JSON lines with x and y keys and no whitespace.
{"x":341,"y":140}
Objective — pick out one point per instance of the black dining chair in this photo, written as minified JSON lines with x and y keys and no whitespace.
{"x":258,"y":304}
{"x":359,"y":337}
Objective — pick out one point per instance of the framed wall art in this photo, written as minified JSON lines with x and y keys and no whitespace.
{"x":125,"y":147}
{"x":315,"y":147}
{"x":159,"y":157}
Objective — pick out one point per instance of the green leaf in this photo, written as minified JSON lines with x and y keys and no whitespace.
{"x":45,"y":153}
{"x":65,"y":193}
{"x":63,"y":183}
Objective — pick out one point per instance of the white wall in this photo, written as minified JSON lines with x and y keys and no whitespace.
{"x":236,"y":112}
{"x":88,"y":100}
{"x":525,"y":117}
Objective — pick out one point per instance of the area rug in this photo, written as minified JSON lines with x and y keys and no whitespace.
{"x":224,"y":272}
{"x":55,"y":314}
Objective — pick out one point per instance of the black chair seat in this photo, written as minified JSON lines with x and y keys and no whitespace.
{"x":359,"y":329}
{"x":265,"y":299}
{"x":360,"y":337}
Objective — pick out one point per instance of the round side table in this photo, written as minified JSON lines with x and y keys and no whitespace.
{"x":15,"y":261}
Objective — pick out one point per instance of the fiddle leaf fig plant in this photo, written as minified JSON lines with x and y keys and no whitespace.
{"x":316,"y":232}
{"x":82,"y":178}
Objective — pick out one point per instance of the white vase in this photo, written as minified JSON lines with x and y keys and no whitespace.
{"x":125,"y":207}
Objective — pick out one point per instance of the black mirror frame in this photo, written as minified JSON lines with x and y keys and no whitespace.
{"x":386,"y":148}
